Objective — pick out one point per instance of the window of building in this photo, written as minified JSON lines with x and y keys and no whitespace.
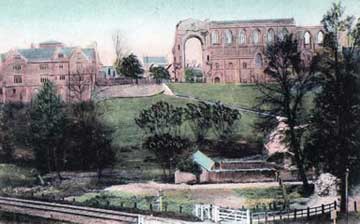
{"x":17,"y":57}
{"x":61,"y":66}
{"x":44,"y":66}
{"x":62,"y":77}
{"x":79,"y":66}
{"x":179,"y":47}
{"x":208,"y":57}
{"x":14,"y":91}
{"x":17,"y":79}
{"x":228,"y":37}
{"x":217,"y":66}
{"x":258,"y":61}
{"x":1,"y":91}
{"x":320,"y":37}
{"x":230,"y":65}
{"x":256,"y":36}
{"x":214,"y":37}
{"x":43,"y":79}
{"x":17,"y":67}
{"x":242,"y":37}
{"x":307,"y":38}
{"x":244,"y":65}
{"x":60,"y":55}
{"x":283,"y":33}
{"x":270,"y":36}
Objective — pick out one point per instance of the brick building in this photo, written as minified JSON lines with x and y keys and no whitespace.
{"x":232,"y":51}
{"x":71,"y":69}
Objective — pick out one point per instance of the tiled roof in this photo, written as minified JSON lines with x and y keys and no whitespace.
{"x":203,"y":160}
{"x":51,"y":42}
{"x":154,"y":60}
{"x":35,"y":54}
{"x":40,"y":54}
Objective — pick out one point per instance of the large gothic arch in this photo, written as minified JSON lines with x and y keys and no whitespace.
{"x":240,"y":52}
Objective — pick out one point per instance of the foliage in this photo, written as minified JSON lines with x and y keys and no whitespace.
{"x":193,"y":75}
{"x":88,"y":141}
{"x":223,"y":120}
{"x":333,"y":144}
{"x":47,"y":128}
{"x":6,"y":139}
{"x":188,"y":165}
{"x":167,"y":149}
{"x":292,"y":80}
{"x":199,"y":117}
{"x":159,"y":73}
{"x":161,"y":118}
{"x":131,"y":67}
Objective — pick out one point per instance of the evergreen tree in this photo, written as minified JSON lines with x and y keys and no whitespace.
{"x":131,"y":67}
{"x":47,"y":127}
{"x":292,"y":79}
{"x":333,"y":145}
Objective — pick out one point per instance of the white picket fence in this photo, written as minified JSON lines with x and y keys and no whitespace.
{"x":242,"y":216}
{"x":223,"y":215}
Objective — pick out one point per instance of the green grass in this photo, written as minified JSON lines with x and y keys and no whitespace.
{"x":13,"y":176}
{"x":230,"y":94}
{"x":119,"y":114}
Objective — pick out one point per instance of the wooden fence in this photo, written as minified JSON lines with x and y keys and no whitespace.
{"x":223,"y":215}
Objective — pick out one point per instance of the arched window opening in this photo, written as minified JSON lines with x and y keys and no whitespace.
{"x":230,"y":65}
{"x":214,"y":37}
{"x":270,"y":36}
{"x":283,"y":33}
{"x":258,"y":61}
{"x":307,"y":38}
{"x":320,"y":37}
{"x":242,"y":37}
{"x":228,"y":37}
{"x":256,"y":36}
{"x":217,"y":80}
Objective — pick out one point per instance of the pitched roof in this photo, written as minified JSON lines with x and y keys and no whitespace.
{"x":50,"y":42}
{"x":43,"y":54}
{"x":203,"y":160}
{"x":36,"y":54}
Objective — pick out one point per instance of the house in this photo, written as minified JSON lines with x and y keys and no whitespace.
{"x":23,"y":71}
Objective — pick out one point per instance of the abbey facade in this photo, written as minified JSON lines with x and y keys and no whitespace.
{"x":233,"y":51}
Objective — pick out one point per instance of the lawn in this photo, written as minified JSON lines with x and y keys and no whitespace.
{"x":13,"y":176}
{"x":127,"y":196}
{"x":243,"y":95}
{"x":119,"y":113}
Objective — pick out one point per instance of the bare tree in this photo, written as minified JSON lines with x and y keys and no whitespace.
{"x":120,"y":48}
{"x":80,"y":83}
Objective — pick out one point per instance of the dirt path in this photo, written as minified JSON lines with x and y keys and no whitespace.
{"x":152,"y":187}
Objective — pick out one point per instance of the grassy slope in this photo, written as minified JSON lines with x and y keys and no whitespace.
{"x":231,"y":94}
{"x":13,"y":176}
{"x":120,"y":113}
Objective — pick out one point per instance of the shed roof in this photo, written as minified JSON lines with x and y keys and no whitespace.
{"x":203,"y":160}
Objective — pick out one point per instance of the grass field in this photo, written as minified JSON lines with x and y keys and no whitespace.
{"x":13,"y":176}
{"x":234,"y":198}
{"x":230,"y":94}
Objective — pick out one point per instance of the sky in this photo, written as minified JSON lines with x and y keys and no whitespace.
{"x":148,"y":26}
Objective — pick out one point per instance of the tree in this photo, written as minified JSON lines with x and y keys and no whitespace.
{"x":79,"y":85}
{"x":159,"y":73}
{"x":167,"y":149}
{"x":193,"y":75}
{"x":161,"y":118}
{"x":6,"y":138}
{"x":120,"y":49}
{"x":88,"y":141}
{"x":223,"y":120}
{"x":334,"y":141}
{"x":47,"y":127}
{"x":131,"y":67}
{"x":284,"y":98}
{"x":199,"y":117}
